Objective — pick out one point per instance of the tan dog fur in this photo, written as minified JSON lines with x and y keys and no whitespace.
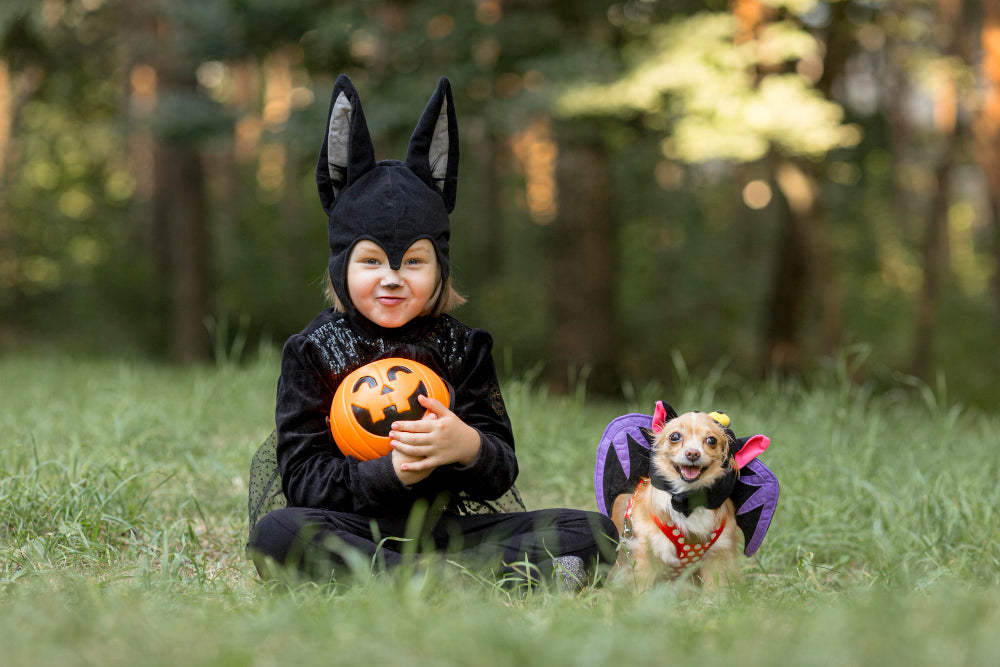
{"x":691,"y":442}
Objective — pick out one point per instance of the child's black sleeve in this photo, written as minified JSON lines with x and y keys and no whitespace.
{"x":479,"y":403}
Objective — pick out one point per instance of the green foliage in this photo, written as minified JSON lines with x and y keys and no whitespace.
{"x":121,"y":540}
{"x":692,"y":78}
{"x":666,"y":80}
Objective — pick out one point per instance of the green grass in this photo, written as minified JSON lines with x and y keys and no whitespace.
{"x":123,"y":519}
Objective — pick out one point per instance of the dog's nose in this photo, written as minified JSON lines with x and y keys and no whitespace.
{"x":692,"y":454}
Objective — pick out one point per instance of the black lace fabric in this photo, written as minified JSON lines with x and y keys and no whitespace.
{"x":265,"y":482}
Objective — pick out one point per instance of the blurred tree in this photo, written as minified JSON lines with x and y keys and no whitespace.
{"x":638,"y":176}
{"x":582,"y":277}
{"x":935,"y":242}
{"x":724,"y":85}
{"x":20,"y":76}
{"x":806,"y":264}
{"x":986,"y":131}
{"x":570,"y":190}
{"x":179,"y":209}
{"x":64,"y":172}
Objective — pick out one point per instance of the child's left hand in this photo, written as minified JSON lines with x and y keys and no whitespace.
{"x":438,"y":439}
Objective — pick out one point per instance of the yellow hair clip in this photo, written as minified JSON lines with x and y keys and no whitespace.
{"x":720,"y":417}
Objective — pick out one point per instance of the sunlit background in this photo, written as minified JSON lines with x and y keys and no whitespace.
{"x":761,"y":186}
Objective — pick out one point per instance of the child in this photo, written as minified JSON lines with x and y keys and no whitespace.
{"x":390,"y":285}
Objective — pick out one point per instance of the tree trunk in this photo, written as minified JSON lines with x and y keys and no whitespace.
{"x":986,"y":129}
{"x":781,"y":340}
{"x":994,"y":222}
{"x":804,"y":265}
{"x":180,"y":219}
{"x":782,"y":346}
{"x":582,"y":283}
{"x":16,"y":88}
{"x":489,"y":214}
{"x":486,"y":152}
{"x":935,"y":248}
{"x":935,"y":256}
{"x":839,"y":43}
{"x":804,"y":261}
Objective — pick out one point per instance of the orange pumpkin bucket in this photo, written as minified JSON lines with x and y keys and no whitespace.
{"x":374,"y":396}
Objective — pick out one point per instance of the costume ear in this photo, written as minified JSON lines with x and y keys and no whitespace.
{"x":347,"y":152}
{"x":750,"y":448}
{"x":433,"y":151}
{"x":661,"y":415}
{"x":622,"y":459}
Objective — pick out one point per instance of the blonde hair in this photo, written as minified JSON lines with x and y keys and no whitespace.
{"x":445,"y":298}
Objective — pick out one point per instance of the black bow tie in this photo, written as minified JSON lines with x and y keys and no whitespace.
{"x":686,"y":502}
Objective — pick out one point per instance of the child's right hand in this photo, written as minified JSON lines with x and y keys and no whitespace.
{"x":439,"y":438}
{"x":407,"y":477}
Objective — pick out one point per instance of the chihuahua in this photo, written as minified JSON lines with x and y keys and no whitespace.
{"x":681,"y":519}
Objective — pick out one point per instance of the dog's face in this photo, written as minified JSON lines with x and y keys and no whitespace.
{"x":691,"y":451}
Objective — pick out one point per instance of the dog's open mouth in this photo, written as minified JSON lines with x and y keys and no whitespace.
{"x":689,"y":473}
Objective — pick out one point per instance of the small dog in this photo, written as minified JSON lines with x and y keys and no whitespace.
{"x":681,"y":518}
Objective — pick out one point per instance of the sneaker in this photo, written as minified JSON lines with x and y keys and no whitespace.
{"x":569,"y":574}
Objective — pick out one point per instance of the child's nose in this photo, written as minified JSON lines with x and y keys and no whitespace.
{"x":391,"y":279}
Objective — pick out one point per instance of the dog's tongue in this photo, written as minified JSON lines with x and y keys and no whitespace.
{"x":690,"y":472}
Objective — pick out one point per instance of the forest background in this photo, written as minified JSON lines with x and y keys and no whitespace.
{"x":646,"y":186}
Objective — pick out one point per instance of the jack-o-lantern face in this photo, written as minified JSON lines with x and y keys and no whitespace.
{"x":376,"y":403}
{"x":374,"y":396}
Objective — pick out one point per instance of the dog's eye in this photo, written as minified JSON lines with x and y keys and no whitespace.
{"x":675,"y":437}
{"x":710,"y":441}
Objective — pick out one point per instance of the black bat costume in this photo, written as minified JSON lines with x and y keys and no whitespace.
{"x":308,"y":502}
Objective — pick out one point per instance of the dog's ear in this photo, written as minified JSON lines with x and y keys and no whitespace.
{"x":661,"y":415}
{"x":347,"y":152}
{"x":433,"y":150}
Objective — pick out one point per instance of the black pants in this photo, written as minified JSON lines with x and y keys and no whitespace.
{"x":319,"y":543}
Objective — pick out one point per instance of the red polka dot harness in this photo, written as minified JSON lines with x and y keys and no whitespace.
{"x":687,"y":554}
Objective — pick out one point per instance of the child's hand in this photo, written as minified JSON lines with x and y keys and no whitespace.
{"x":438,"y":439}
{"x":406,"y":476}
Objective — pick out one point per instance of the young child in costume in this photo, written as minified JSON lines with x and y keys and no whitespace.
{"x":389,"y":274}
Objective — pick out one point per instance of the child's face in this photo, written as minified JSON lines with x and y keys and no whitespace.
{"x":391,"y":298}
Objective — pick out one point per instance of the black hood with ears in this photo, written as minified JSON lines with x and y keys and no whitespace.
{"x":391,"y":203}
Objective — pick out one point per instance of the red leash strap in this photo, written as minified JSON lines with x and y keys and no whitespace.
{"x":631,"y":501}
{"x":627,"y":519}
